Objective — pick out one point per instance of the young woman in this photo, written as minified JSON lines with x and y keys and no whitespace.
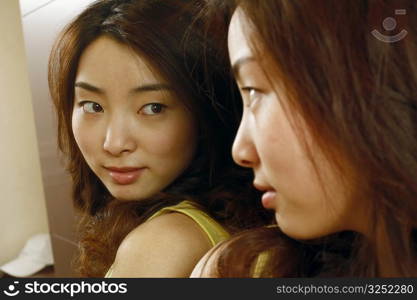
{"x":329,"y":128}
{"x":146,"y":129}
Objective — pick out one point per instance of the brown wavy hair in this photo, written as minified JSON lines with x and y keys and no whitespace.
{"x":167,"y":36}
{"x":358,"y":97}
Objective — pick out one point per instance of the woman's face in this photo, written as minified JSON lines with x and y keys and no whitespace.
{"x":309,"y":202}
{"x":133,"y":131}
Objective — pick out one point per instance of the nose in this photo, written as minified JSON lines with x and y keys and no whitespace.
{"x":119,"y":138}
{"x":243,"y":150}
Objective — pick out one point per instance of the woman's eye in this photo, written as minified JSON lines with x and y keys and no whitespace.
{"x":152,"y":108}
{"x":254,"y":94}
{"x":91,"y":107}
{"x":251,"y":94}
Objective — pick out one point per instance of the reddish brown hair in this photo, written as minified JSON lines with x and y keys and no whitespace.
{"x":358,"y":97}
{"x":164,"y":34}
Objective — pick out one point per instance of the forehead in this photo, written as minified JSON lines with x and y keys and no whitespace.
{"x":238,"y":37}
{"x":106,"y":59}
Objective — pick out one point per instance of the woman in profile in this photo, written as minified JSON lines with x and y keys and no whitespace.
{"x":147,"y":130}
{"x":329,"y":129}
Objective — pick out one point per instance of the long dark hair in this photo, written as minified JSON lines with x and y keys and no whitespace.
{"x":358,"y":96}
{"x":163,"y":33}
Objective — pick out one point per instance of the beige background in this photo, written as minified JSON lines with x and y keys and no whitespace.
{"x":35,"y":189}
{"x":22,"y":202}
{"x":42,"y":21}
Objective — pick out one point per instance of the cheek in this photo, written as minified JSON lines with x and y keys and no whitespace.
{"x":175,"y":140}
{"x":276,"y":142}
{"x":284,"y":161}
{"x":77,"y":129}
{"x":84,"y":135}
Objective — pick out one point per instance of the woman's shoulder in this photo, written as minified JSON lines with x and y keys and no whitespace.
{"x":168,"y":245}
{"x":214,"y":230}
{"x":208,"y":265}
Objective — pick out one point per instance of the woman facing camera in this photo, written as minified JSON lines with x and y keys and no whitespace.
{"x":147,"y":130}
{"x":329,"y":129}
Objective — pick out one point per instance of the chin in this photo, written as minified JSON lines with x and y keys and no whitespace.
{"x":125,"y":194}
{"x":299,"y":235}
{"x":305,"y":235}
{"x":125,"y":198}
{"x":297,"y":232}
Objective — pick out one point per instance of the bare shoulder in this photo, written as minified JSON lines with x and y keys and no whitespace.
{"x":207,"y":266}
{"x":167,"y":246}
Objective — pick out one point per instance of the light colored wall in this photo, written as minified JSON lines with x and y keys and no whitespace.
{"x":22,"y":203}
{"x":42,"y":21}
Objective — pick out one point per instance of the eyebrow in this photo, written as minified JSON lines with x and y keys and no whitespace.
{"x":237,"y":65}
{"x":88,"y":87}
{"x":152,"y":87}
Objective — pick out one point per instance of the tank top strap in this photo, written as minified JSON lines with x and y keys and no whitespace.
{"x":262,"y":260}
{"x":215,"y":232}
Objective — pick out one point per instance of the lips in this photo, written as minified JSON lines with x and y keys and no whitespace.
{"x":124,"y":175}
{"x":268,"y":197}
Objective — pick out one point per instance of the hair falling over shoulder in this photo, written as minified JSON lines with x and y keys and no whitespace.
{"x":358,"y":97}
{"x":167,"y":35}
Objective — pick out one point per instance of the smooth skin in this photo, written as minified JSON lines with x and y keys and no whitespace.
{"x":167,"y":246}
{"x":125,"y":115}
